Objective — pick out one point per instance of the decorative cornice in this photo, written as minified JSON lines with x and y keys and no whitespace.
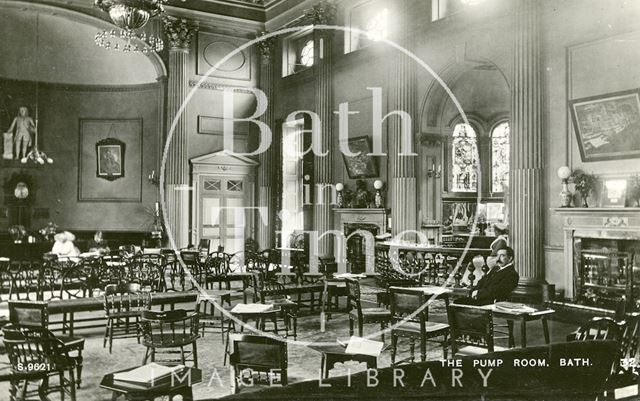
{"x":266,"y":47}
{"x":217,"y":87}
{"x":180,"y":32}
{"x":323,"y":13}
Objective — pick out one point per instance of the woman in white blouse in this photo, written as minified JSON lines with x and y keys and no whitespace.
{"x":64,"y":247}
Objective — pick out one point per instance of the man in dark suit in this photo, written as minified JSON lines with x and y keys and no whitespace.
{"x":497,"y":284}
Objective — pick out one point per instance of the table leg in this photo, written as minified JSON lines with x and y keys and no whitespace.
{"x":71,"y":320}
{"x":523,"y":332}
{"x":512,"y":340}
{"x":545,"y":329}
{"x":323,"y":365}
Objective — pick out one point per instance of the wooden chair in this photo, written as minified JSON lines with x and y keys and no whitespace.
{"x":204,"y":247}
{"x":363,"y":315}
{"x":35,"y":314}
{"x":206,"y":311}
{"x":258,"y":354}
{"x":148,"y":271}
{"x":37,"y":346}
{"x":270,"y":292}
{"x":191,"y":260}
{"x":598,"y":328}
{"x":163,"y":332}
{"x":471,"y":330}
{"x":216,"y":270}
{"x":123,"y":305}
{"x":410,"y":312}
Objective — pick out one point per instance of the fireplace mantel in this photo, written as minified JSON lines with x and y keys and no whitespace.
{"x":595,"y":222}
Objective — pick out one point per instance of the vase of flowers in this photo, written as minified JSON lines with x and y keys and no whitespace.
{"x":585,"y":184}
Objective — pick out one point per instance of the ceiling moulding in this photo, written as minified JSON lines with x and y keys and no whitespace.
{"x":280,"y":17}
{"x":238,"y":9}
{"x":216,"y":23}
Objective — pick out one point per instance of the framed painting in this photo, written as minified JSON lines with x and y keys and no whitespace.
{"x":614,"y":192}
{"x":607,"y":126}
{"x":363,"y":165}
{"x":110,"y":159}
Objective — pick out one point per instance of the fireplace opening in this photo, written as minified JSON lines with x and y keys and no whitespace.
{"x":358,"y":254}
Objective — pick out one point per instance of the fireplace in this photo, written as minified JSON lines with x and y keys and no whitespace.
{"x":602,"y":256}
{"x":359,"y":227}
{"x":357,"y":253}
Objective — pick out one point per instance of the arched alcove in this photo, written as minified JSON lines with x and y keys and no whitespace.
{"x":54,"y":45}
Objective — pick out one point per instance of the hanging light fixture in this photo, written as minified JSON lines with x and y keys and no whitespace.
{"x":130,"y":15}
{"x":36,"y":155}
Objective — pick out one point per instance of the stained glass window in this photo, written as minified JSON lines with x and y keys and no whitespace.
{"x":500,"y":157}
{"x":464,"y":156}
{"x":306,"y":54}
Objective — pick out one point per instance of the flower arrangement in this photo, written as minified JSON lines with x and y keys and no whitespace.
{"x":17,"y":232}
{"x":49,"y":231}
{"x":585,"y":184}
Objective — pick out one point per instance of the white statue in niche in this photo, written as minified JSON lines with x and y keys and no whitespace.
{"x":24,"y":126}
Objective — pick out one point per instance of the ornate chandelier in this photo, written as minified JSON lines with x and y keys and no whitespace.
{"x":129,"y":15}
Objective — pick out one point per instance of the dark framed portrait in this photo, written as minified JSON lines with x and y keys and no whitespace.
{"x":110,"y":159}
{"x":363,"y":165}
{"x":607,"y":126}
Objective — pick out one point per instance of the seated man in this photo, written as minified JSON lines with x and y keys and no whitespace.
{"x":497,"y":284}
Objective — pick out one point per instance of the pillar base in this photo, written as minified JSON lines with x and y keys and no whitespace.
{"x":530,"y":290}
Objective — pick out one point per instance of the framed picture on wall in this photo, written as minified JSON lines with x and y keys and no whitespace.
{"x":363,"y":165}
{"x":607,"y":126}
{"x":614,"y":192}
{"x":110,"y":159}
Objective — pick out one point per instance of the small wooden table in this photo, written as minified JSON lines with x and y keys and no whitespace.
{"x":523,"y":317}
{"x":180,"y":384}
{"x":332,"y":354}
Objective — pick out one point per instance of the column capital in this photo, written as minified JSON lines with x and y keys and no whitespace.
{"x":266,"y":47}
{"x":323,"y":13}
{"x":180,"y":33}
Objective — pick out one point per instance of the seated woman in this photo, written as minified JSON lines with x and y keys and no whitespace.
{"x":64,"y":247}
{"x":98,"y":244}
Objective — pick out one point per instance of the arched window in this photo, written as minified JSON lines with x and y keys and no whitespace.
{"x":500,"y":157}
{"x":306,"y":54}
{"x":464,"y":156}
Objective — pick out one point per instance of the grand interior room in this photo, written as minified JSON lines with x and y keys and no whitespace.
{"x":319,"y":199}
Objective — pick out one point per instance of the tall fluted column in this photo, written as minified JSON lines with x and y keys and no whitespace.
{"x":403,"y":182}
{"x":268,"y":167}
{"x":526,"y":190}
{"x":179,"y":34}
{"x":323,"y":13}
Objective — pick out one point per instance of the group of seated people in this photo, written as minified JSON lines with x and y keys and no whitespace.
{"x":64,"y":245}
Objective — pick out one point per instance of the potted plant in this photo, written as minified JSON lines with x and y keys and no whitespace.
{"x":585,"y":184}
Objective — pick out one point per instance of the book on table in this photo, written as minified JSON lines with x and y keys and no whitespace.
{"x":251,"y":308}
{"x":147,"y":375}
{"x":363,"y":346}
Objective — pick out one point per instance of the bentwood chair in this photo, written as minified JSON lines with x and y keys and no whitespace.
{"x":167,"y":333}
{"x":123,"y":305}
{"x":258,"y":354}
{"x":410,"y":311}
{"x":38,"y":347}
{"x":360,"y":315}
